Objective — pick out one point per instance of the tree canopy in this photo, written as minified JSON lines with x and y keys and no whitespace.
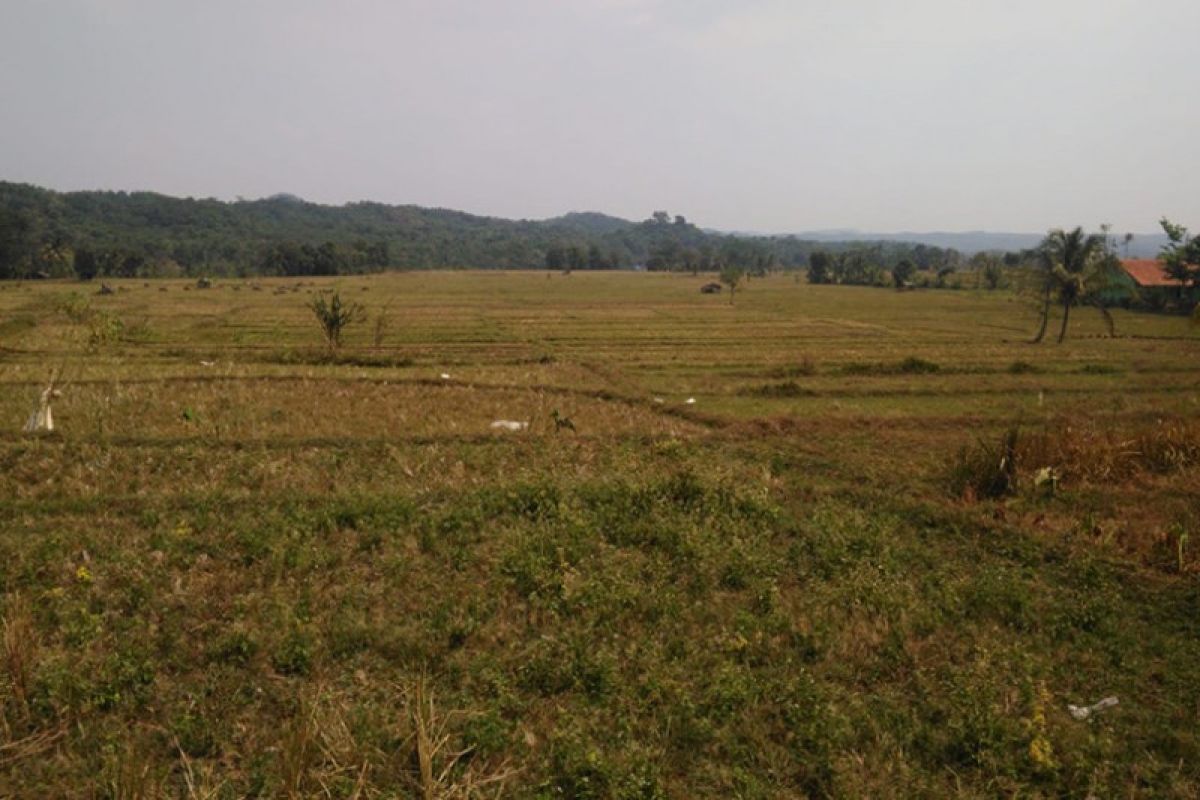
{"x":100,"y":233}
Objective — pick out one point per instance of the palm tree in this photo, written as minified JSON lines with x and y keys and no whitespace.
{"x":1047,"y":266}
{"x":1074,"y":269}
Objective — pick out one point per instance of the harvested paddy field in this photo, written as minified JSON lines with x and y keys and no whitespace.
{"x":775,"y":553}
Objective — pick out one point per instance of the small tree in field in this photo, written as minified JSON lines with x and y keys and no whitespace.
{"x":1181,"y":256}
{"x":819,"y":267}
{"x":334,"y":316}
{"x":993,"y":274}
{"x":732,"y":276}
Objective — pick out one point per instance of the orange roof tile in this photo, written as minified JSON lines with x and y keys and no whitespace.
{"x":1148,"y":272}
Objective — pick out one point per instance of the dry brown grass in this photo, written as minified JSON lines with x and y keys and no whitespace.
{"x":1088,"y":450}
{"x":439,"y":772}
{"x":20,"y":655}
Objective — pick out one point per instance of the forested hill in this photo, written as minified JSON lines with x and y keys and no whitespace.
{"x":62,"y":234}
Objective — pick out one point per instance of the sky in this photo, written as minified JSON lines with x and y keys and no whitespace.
{"x":752,"y":115}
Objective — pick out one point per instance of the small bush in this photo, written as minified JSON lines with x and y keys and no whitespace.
{"x":805,"y":367}
{"x":293,"y":656}
{"x":986,"y":470}
{"x":487,"y":734}
{"x":336,"y":359}
{"x":235,"y":647}
{"x":1099,"y":369}
{"x":917,"y":366}
{"x":195,"y":735}
{"x":909,"y":366}
{"x":785,"y":389}
{"x":1022,"y":368}
{"x":334,"y":316}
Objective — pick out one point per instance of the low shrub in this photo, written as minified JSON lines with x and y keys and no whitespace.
{"x":294,"y":655}
{"x":1099,"y":369}
{"x":805,"y":367}
{"x":912,"y":365}
{"x":986,"y":470}
{"x":339,"y":359}
{"x":917,"y":366}
{"x":785,"y":389}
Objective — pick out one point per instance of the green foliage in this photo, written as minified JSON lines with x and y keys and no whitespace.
{"x":335,"y":316}
{"x":1099,"y":369}
{"x":784,"y":389}
{"x":732,"y":277}
{"x":911,"y":365}
{"x":986,"y":471}
{"x":17,"y":242}
{"x":819,"y":268}
{"x":142,"y":234}
{"x":294,"y":654}
{"x":100,"y":326}
{"x":1076,"y":268}
{"x":1023,"y":368}
{"x":993,"y":275}
{"x":1181,"y":254}
{"x":236,"y":647}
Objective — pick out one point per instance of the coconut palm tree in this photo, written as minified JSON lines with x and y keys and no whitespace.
{"x":1075,"y":267}
{"x":1046,"y":264}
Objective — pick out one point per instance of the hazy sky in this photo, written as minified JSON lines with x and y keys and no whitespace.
{"x":765,"y":115}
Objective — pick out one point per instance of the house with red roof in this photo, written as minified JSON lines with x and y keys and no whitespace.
{"x":1149,"y":273}
{"x":1154,"y":287}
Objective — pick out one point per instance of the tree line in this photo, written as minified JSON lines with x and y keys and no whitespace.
{"x":142,"y":234}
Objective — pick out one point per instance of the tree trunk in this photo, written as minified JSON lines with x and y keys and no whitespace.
{"x":1045,"y":317}
{"x":1062,"y":333}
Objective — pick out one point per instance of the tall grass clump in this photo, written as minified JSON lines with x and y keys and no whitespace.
{"x":1086,"y":451}
{"x":912,"y":365}
{"x":782,"y":389}
{"x":986,"y":470}
{"x":1078,"y":452}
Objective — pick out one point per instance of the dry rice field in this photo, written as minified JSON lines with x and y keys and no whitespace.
{"x":763,"y":563}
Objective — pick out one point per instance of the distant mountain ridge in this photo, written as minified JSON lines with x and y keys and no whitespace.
{"x":145,"y":233}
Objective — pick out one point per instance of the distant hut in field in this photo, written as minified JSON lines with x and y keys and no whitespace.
{"x":1149,"y":277}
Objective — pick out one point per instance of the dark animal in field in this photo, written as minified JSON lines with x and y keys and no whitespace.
{"x":710,"y":288}
{"x":561,"y":422}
